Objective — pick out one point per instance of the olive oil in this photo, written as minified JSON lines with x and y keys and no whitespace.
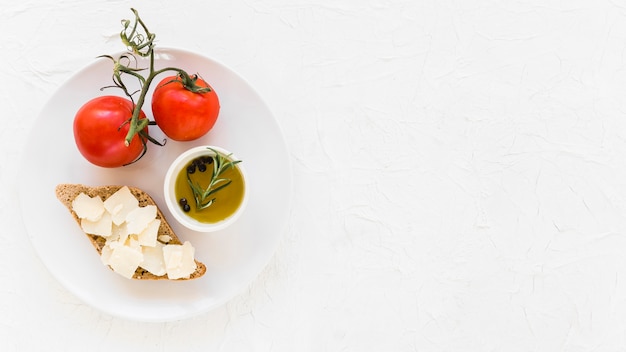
{"x":227,"y":200}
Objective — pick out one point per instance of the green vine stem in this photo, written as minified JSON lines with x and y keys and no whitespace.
{"x":140,"y":41}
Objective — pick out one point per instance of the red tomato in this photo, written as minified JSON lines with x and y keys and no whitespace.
{"x":182,"y":114}
{"x":100,"y":129}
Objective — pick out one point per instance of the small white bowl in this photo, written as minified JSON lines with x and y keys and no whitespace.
{"x":170,"y":195}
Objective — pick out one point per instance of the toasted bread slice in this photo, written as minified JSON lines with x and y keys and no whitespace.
{"x":66,"y":193}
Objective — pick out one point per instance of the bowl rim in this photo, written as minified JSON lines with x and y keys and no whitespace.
{"x":170,"y":196}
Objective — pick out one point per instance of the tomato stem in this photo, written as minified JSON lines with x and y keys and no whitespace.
{"x":188,"y":82}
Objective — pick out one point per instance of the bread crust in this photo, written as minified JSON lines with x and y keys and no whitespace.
{"x":67,"y":192}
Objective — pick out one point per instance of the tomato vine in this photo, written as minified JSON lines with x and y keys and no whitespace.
{"x":140,"y":41}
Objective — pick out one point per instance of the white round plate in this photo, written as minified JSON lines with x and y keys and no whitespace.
{"x":234,"y":257}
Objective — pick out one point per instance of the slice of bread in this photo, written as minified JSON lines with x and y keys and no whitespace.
{"x":66,"y":193}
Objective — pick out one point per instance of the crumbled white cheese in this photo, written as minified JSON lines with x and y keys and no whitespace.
{"x":118,"y":233}
{"x":131,"y":236}
{"x":107,"y":250}
{"x":87,"y":207}
{"x":133,"y":243}
{"x":148,"y":237}
{"x":165,"y":238}
{"x":179,"y":262}
{"x":120,"y":203}
{"x":153,"y":259}
{"x":101,"y":227}
{"x":124,"y":260}
{"x":138,"y":219}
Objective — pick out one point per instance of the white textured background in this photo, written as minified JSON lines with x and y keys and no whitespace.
{"x":459,"y":168}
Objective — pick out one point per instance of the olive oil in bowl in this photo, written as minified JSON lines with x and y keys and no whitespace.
{"x":226,"y":201}
{"x":205,"y":188}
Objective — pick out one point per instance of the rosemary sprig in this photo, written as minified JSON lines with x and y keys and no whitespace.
{"x":204,"y":196}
